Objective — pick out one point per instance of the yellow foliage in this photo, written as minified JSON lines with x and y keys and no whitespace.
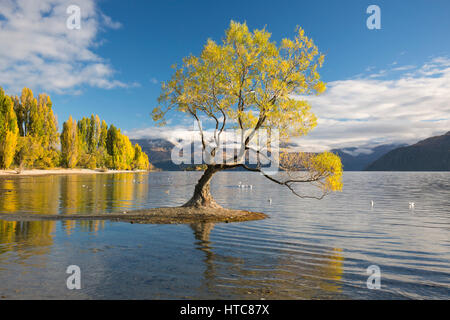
{"x":249,"y":80}
{"x":329,"y":165}
{"x":8,"y":148}
{"x":29,"y":133}
{"x":9,"y":130}
{"x":140,"y":159}
{"x":69,"y":143}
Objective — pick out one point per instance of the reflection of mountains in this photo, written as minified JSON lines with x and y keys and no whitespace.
{"x":286,"y":277}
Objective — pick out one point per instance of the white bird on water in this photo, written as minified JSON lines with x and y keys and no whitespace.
{"x":270,"y":201}
{"x":372,"y":203}
{"x":240,"y":185}
{"x":411,"y":205}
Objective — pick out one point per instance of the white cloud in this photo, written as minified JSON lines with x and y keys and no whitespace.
{"x":39,"y":51}
{"x":366,"y":112}
{"x":169,"y":133}
{"x":403,"y":68}
{"x":177,"y":133}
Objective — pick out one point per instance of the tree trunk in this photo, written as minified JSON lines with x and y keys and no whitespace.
{"x":202,"y":194}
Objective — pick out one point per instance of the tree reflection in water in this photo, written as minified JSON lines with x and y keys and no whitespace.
{"x":271,"y":276}
{"x":228,"y":270}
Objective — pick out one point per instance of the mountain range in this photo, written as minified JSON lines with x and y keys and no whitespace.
{"x":352,"y":160}
{"x":432,"y":154}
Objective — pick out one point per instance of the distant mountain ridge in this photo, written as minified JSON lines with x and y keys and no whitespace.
{"x":431,"y":154}
{"x":158,"y":151}
{"x":360,"y":161}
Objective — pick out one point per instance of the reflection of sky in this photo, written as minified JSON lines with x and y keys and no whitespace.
{"x":306,"y":249}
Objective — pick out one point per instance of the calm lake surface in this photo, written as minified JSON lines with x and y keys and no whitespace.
{"x":307,"y":249}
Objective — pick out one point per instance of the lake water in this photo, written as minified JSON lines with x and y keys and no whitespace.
{"x":307,"y":249}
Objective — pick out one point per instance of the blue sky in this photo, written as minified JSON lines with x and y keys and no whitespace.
{"x":113,"y":65}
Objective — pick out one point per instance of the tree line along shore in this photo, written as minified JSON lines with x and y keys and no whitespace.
{"x":29,"y":139}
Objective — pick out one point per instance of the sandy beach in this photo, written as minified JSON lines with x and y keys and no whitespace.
{"x":36,"y":172}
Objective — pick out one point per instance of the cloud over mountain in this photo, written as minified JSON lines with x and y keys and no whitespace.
{"x":366,"y":111}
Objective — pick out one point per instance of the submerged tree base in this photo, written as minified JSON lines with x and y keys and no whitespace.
{"x":171,"y":215}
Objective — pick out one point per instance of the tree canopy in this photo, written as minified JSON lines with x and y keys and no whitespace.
{"x":9,"y":130}
{"x":250,"y":83}
{"x":90,"y":143}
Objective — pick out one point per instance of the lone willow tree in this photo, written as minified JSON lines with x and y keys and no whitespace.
{"x":250,"y":84}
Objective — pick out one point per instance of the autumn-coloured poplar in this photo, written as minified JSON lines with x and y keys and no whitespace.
{"x":250,"y":82}
{"x":140,"y":161}
{"x":49,"y":136}
{"x":94,"y":133}
{"x":38,"y":128}
{"x":69,"y":143}
{"x":103,"y":134}
{"x":120,"y":149}
{"x":9,"y":130}
{"x":23,"y":108}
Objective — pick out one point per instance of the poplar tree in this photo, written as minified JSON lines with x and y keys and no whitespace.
{"x":27,"y":146}
{"x":83,"y":126}
{"x":94,"y":133}
{"x":24,"y":106}
{"x":103,"y":134}
{"x":140,"y":159}
{"x":38,"y":129}
{"x":111,"y":140}
{"x":9,"y":130}
{"x":69,"y":143}
{"x":120,"y":150}
{"x":50,"y":137}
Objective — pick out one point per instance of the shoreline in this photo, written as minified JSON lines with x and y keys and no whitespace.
{"x":41,"y":172}
{"x":164,"y":215}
